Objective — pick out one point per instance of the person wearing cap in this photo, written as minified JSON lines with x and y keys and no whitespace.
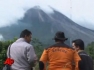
{"x":59,"y":56}
{"x":86,"y":62}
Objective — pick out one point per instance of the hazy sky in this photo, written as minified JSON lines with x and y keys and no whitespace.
{"x":80,"y":11}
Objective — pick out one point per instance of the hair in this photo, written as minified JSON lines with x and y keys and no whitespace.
{"x":58,"y":40}
{"x":79,"y":43}
{"x":25,"y":33}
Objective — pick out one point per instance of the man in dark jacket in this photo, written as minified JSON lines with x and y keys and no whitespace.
{"x":86,"y":62}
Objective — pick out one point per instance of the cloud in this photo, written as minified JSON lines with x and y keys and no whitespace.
{"x":1,"y":37}
{"x":10,"y":11}
{"x":80,"y":11}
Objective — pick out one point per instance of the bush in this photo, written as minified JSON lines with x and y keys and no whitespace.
{"x":38,"y":46}
{"x":90,"y":49}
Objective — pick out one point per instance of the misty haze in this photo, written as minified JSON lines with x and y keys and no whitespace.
{"x":44,"y":18}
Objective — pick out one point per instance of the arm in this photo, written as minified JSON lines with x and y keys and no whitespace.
{"x":76,"y":60}
{"x":31,"y":56}
{"x":43,"y":60}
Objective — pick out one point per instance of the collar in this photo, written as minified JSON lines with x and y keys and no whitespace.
{"x":80,"y":51}
{"x":20,"y":39}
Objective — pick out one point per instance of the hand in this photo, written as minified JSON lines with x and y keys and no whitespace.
{"x":34,"y":63}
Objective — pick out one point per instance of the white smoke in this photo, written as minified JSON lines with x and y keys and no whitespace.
{"x":1,"y":38}
{"x":12,"y":10}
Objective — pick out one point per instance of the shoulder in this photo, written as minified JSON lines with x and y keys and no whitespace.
{"x":83,"y":53}
{"x":62,"y":45}
{"x":51,"y":46}
{"x":27,"y":45}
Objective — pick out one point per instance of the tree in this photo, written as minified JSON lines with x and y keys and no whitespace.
{"x":38,"y":46}
{"x":90,"y":49}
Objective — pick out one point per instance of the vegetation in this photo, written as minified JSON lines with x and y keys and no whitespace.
{"x":90,"y":49}
{"x":38,"y":46}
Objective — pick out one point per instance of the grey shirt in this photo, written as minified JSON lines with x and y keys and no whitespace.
{"x":23,"y":54}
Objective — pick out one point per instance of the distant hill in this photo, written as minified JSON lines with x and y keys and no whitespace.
{"x":44,"y":26}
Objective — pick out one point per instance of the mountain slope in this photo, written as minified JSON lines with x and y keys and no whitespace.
{"x":44,"y":26}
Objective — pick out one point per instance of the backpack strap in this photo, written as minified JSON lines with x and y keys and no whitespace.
{"x":9,"y":52}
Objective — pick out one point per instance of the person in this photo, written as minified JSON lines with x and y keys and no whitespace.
{"x":59,"y":56}
{"x":22,"y":52}
{"x":86,"y":62}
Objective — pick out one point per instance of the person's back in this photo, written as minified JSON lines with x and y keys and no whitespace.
{"x":86,"y":62}
{"x":22,"y":52}
{"x":59,"y":56}
{"x":18,"y":53}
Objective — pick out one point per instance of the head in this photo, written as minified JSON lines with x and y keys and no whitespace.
{"x":78,"y":44}
{"x":27,"y":35}
{"x":60,"y":37}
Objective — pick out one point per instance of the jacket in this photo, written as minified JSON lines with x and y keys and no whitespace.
{"x":23,"y":55}
{"x":86,"y":62}
{"x":60,"y":57}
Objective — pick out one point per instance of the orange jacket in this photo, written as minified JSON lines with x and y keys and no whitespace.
{"x":60,"y":57}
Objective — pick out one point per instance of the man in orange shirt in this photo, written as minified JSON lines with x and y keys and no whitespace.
{"x":59,"y":56}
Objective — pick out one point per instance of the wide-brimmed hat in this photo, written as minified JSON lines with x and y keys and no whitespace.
{"x":60,"y":35}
